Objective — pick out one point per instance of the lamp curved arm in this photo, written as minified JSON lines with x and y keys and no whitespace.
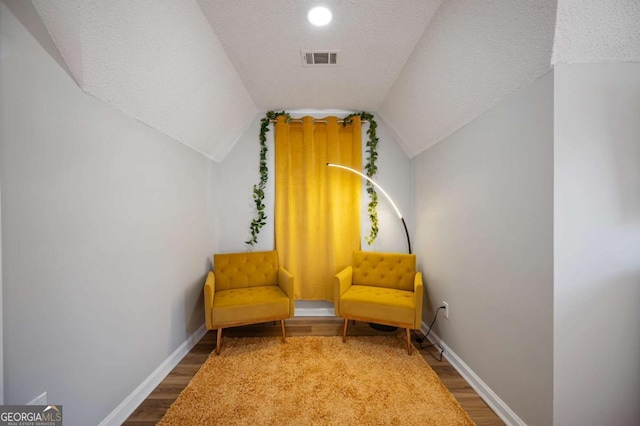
{"x":406,"y":231}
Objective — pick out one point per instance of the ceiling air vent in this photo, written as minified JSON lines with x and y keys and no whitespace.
{"x":314,"y":58}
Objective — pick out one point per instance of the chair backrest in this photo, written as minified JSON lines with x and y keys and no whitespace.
{"x":389,"y":270}
{"x":242,"y":270}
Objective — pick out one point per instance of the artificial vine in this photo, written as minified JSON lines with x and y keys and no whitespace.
{"x":370,"y":170}
{"x":258,"y":190}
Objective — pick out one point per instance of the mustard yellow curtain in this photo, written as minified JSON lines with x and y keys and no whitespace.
{"x":317,"y":208}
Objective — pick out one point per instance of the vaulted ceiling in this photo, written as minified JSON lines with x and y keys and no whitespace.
{"x":264,"y":39}
{"x":200,"y":70}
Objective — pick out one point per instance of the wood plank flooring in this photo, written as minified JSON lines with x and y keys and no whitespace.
{"x":154,"y":407}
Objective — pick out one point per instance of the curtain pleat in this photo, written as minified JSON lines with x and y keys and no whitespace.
{"x":317,"y":208}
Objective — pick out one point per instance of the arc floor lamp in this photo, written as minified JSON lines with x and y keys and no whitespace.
{"x":340,"y":166}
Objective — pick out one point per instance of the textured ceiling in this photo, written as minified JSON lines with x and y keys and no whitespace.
{"x":200,"y":70}
{"x":264,"y":38}
{"x":157,"y":61}
{"x":600,"y":31}
{"x":473,"y":54}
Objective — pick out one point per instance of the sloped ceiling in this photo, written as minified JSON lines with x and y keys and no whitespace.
{"x":200,"y":70}
{"x":159,"y":62}
{"x":184,"y":67}
{"x":472,"y":55}
{"x":264,"y":38}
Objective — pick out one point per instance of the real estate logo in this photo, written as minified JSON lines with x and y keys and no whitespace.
{"x":30,"y":415}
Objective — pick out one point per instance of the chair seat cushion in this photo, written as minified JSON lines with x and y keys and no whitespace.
{"x":252,"y":304}
{"x":376,"y":303}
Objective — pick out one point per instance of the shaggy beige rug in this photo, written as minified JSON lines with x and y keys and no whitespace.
{"x":315,"y":381}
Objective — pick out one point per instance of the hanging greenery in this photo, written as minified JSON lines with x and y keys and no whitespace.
{"x":258,"y":190}
{"x":370,"y":170}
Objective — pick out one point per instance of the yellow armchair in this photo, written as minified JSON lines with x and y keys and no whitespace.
{"x":382,"y":288}
{"x":247,"y":288}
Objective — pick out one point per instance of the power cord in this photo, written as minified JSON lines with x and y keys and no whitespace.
{"x":421,"y":340}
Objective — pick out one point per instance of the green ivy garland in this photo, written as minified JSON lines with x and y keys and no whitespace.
{"x":370,"y":168}
{"x":258,"y":190}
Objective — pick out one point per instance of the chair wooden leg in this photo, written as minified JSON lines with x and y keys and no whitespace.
{"x":408,"y":341}
{"x":344,"y":330}
{"x":284,"y":335}
{"x":218,"y":341}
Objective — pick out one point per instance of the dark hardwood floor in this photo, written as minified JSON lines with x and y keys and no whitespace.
{"x":154,"y":407}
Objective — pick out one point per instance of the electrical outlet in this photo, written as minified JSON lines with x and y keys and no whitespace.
{"x":446,"y":309}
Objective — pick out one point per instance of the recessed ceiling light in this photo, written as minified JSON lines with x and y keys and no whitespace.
{"x":319,"y":16}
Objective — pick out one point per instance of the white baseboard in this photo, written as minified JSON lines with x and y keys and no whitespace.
{"x":315,"y":312}
{"x":39,"y":400}
{"x":314,"y":308}
{"x":135,"y":398}
{"x":489,"y":396}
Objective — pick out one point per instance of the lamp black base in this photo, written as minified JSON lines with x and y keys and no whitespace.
{"x":382,"y":327}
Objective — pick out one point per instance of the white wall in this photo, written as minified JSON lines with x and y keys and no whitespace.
{"x":4,"y":55}
{"x":106,"y":237}
{"x":1,"y":315}
{"x":597,"y":244}
{"x":484,"y":239}
{"x":239,"y":172}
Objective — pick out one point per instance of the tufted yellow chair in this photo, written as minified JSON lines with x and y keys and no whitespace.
{"x":383,"y":288}
{"x":247,"y":288}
